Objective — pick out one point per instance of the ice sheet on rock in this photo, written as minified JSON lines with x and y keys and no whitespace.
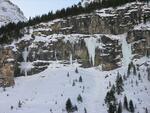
{"x":126,"y":50}
{"x":25,"y":66}
{"x":91,"y":44}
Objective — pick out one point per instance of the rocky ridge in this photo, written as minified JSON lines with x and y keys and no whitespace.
{"x":106,"y":38}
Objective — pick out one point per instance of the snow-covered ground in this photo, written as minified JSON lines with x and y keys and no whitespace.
{"x":10,"y":13}
{"x":48,"y":91}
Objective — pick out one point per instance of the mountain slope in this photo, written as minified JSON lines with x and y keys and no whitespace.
{"x":49,"y":90}
{"x":10,"y":13}
{"x":108,"y":43}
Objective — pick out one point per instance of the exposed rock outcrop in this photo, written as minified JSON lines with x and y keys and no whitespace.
{"x":7,"y":63}
{"x":84,"y":38}
{"x":140,"y":40}
{"x":105,"y":21}
{"x":93,"y":39}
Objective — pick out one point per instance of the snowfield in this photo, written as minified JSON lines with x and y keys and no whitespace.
{"x":10,"y":13}
{"x":48,"y":91}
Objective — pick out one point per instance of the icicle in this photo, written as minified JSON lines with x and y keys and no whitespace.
{"x":25,"y":56}
{"x":126,"y":50}
{"x":91,"y":46}
{"x":71,"y":59}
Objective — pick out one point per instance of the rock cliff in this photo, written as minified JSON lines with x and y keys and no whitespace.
{"x":107,"y":38}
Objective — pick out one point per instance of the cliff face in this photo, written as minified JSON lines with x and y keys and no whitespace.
{"x":140,"y":42}
{"x":7,"y":63}
{"x":8,"y":13}
{"x":105,"y":21}
{"x":106,"y":38}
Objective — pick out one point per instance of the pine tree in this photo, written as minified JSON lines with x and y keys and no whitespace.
{"x":131,"y":106}
{"x":11,"y":107}
{"x":139,"y":76}
{"x":19,"y":104}
{"x":119,"y":84}
{"x":148,"y":74}
{"x":85,"y":111}
{"x":79,"y":98}
{"x":68,"y":74}
{"x":80,"y":79}
{"x":119,"y":108}
{"x":76,"y":70}
{"x":69,"y":106}
{"x":113,"y":88}
{"x":126,"y":103}
{"x":110,"y":97}
{"x":129,"y":69}
{"x":73,"y":84}
{"x":146,"y":110}
{"x":112,"y":108}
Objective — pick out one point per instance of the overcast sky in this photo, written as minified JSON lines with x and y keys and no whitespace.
{"x":33,"y":8}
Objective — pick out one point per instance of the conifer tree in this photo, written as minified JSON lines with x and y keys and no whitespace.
{"x":69,"y":106}
{"x":79,"y":98}
{"x":119,"y":84}
{"x":73,"y":84}
{"x":85,"y":111}
{"x":148,"y":74}
{"x":112,"y":108}
{"x":131,"y":106}
{"x":113,"y":88}
{"x":129,"y":69}
{"x":68,"y":74}
{"x":80,"y":79}
{"x":76,"y":70}
{"x":119,"y":108}
{"x":139,"y":76}
{"x":110,"y":97}
{"x":126,"y":103}
{"x":146,"y":110}
{"x":19,"y":104}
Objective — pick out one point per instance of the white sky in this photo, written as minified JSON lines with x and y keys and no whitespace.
{"x":33,"y":8}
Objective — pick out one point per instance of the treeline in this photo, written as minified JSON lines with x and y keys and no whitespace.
{"x":14,"y":31}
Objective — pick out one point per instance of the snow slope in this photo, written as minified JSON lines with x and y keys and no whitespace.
{"x":10,"y":13}
{"x":49,"y":90}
